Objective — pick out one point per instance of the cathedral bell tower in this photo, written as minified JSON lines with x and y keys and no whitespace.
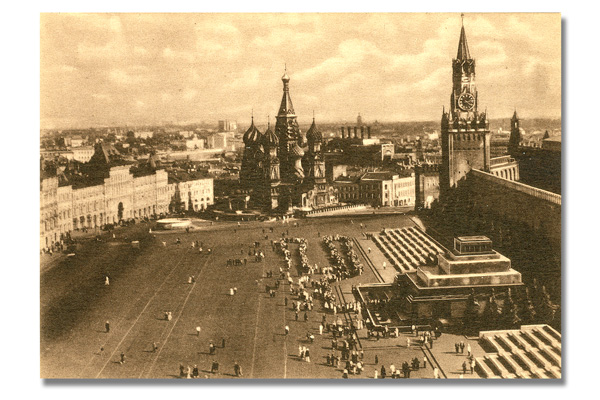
{"x":465,"y":130}
{"x":271,"y":177}
{"x":288,"y":132}
{"x":314,"y":162}
{"x":515,"y":135}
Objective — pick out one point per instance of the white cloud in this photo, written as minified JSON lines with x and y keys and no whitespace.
{"x":178,"y":55}
{"x":189,"y":94}
{"x":68,"y":68}
{"x":139,"y":51}
{"x":101,"y":96}
{"x":245,"y":79}
{"x":122,"y":77}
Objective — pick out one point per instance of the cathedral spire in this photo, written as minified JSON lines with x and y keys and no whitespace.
{"x":286,"y":102}
{"x":463,"y":47}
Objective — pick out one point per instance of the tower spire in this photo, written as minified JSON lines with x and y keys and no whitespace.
{"x":463,"y":47}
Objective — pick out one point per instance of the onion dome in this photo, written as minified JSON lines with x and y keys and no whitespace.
{"x":296,"y":151}
{"x":252,"y":135}
{"x":313,"y":133}
{"x":269,"y":138}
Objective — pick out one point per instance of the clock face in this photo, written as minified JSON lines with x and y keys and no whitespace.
{"x":466,"y":101}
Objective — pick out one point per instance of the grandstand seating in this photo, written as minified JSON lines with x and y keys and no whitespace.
{"x":407,"y":248}
{"x":531,"y":352}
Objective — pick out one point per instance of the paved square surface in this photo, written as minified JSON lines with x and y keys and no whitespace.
{"x":147,"y":282}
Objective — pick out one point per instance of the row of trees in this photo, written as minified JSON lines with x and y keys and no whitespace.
{"x":532,"y":306}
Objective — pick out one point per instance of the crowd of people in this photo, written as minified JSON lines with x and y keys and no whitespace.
{"x":345,"y":264}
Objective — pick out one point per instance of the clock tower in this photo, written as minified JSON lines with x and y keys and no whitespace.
{"x":465,"y":130}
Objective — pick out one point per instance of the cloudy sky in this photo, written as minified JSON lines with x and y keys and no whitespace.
{"x":116,"y":69}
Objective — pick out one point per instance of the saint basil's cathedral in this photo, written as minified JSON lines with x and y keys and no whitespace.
{"x":281,"y":168}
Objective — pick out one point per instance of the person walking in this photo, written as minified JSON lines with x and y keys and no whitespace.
{"x":383,"y":373}
{"x":215,"y":367}
{"x":107,"y":326}
{"x":436,"y":373}
{"x":305,"y":317}
{"x":106,"y":281}
{"x":376,"y":359}
{"x":223,"y":343}
{"x":122,"y":358}
{"x":320,"y":329}
{"x":287,"y":330}
{"x":472,"y":366}
{"x":424,"y":362}
{"x":464,"y":367}
{"x":462,"y":347}
{"x":469,"y":350}
{"x":198,"y":331}
{"x":237,"y":369}
{"x":456,"y":347}
{"x":307,"y":355}
{"x":154,"y":347}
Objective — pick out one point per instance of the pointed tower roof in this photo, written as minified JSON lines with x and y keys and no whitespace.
{"x":463,"y":47}
{"x":252,"y":135}
{"x":314,"y":133}
{"x":286,"y":108}
{"x":269,"y":137}
{"x":515,"y":116}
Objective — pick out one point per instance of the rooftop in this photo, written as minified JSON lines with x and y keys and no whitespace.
{"x":473,"y":238}
{"x":379,"y":175}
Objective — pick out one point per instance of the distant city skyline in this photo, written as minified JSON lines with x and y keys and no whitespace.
{"x":144,"y":69}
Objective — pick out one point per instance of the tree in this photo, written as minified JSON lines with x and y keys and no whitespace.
{"x":510,"y":317}
{"x":527,"y":308}
{"x":491,"y":313}
{"x":120,"y":211}
{"x":471,"y":315}
{"x":547,"y":309}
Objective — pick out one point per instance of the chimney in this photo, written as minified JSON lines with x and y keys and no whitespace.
{"x":355,"y":132}
{"x":369,"y":132}
{"x":343,"y":134}
{"x":362,"y":132}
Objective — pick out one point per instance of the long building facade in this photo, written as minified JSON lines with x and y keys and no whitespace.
{"x":123,"y":195}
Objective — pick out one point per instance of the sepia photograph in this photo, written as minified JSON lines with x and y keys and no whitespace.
{"x":294,"y":196}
